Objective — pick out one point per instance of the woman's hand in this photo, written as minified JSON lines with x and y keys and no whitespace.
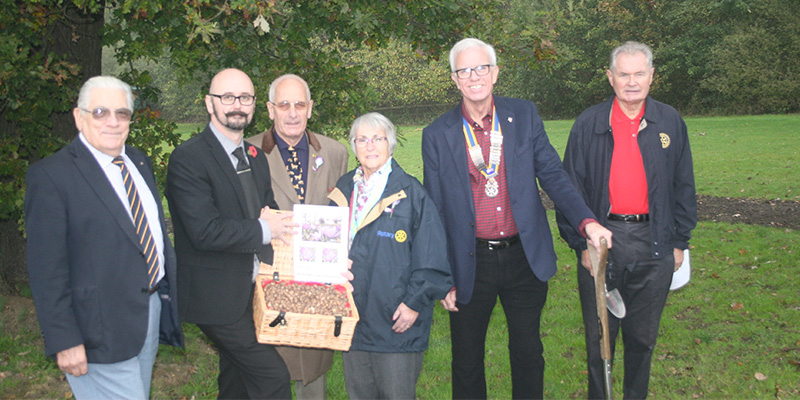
{"x":349,"y":276}
{"x":403,"y":318}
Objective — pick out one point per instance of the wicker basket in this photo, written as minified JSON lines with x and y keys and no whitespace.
{"x":294,"y":329}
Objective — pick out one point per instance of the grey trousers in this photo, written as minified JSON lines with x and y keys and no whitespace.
{"x":370,"y":375}
{"x":314,"y":390}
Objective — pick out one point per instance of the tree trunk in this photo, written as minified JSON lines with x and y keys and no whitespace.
{"x":76,"y":37}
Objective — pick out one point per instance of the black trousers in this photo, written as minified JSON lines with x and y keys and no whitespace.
{"x":504,"y":273}
{"x":644,"y":283}
{"x":247,"y":369}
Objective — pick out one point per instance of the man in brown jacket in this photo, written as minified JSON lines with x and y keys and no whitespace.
{"x":304,"y":167}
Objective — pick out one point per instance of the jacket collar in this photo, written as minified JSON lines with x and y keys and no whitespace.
{"x":268,"y":141}
{"x":393,"y":192}
{"x":651,"y":115}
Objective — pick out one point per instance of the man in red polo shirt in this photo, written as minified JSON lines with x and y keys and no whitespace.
{"x":630,"y":159}
{"x":480,"y":160}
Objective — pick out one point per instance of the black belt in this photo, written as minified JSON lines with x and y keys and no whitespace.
{"x":629,"y":217}
{"x":498,"y":244}
{"x":152,"y":289}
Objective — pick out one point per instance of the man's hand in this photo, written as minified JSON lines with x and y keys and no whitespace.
{"x":403,"y":318}
{"x":449,"y":301}
{"x":280,"y":224}
{"x":678,"y":253}
{"x":594,"y":232}
{"x":73,"y":360}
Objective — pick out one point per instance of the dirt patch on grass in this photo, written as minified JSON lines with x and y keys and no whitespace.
{"x":775,"y":213}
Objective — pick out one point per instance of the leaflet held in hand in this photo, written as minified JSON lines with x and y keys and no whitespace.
{"x":320,"y":245}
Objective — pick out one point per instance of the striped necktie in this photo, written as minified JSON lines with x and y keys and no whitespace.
{"x":140,"y":222}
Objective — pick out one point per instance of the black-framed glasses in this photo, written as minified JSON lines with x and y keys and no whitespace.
{"x":480,"y":70}
{"x":377,"y":140}
{"x":102,"y":113}
{"x":285,"y":105}
{"x":228,"y":99}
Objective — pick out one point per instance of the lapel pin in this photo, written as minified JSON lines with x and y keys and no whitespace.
{"x":510,"y":119}
{"x":317,"y":163}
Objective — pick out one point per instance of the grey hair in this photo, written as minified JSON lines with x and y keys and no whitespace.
{"x":631,"y":48}
{"x":375,"y":121}
{"x":274,"y":85}
{"x":103,"y":82}
{"x":467,"y":43}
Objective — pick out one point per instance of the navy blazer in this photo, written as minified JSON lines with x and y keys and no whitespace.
{"x":87,"y":271}
{"x":215,"y":239}
{"x":527,"y":156}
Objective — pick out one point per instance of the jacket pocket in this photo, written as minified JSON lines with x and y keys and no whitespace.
{"x":86,"y":304}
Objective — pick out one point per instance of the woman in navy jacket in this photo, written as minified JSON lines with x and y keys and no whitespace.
{"x":399,"y":266}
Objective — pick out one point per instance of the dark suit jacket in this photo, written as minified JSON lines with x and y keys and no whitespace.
{"x":87,"y":273}
{"x":215,"y":240}
{"x":527,"y":155}
{"x":320,"y":181}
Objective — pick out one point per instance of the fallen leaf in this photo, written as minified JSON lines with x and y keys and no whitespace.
{"x":742,"y":251}
{"x":737,"y":306}
{"x":760,"y":376}
{"x":714,"y":275}
{"x":698,"y":341}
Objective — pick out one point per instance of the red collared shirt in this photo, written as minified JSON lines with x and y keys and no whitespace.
{"x":627,"y":184}
{"x":493,"y":219}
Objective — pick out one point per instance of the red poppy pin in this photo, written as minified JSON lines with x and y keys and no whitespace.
{"x":252,"y":151}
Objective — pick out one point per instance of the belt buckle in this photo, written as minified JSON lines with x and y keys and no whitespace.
{"x":497,"y":244}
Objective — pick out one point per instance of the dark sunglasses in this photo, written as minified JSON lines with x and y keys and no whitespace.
{"x":101,"y":113}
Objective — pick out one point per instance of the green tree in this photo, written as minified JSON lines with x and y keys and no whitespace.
{"x":49,"y":47}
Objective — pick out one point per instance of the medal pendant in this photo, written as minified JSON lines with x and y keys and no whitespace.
{"x":491,"y":188}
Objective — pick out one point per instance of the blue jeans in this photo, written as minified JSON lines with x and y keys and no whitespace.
{"x":129,"y":379}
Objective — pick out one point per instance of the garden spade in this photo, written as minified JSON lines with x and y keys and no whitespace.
{"x":599,"y":260}
{"x":614,"y":302}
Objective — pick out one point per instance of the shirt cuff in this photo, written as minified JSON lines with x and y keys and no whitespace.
{"x":582,"y":226}
{"x":266,"y":234}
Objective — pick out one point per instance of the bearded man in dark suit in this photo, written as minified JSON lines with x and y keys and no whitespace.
{"x":220,"y":197}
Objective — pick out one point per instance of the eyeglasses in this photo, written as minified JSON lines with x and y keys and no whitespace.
{"x":480,"y":70}
{"x":228,"y":99}
{"x":377,"y":141}
{"x":101,"y":113}
{"x":285,"y":105}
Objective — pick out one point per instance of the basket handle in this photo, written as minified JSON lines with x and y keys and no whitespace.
{"x":337,"y":328}
{"x":280,"y":319}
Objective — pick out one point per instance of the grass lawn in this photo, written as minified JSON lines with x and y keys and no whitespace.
{"x":732,"y":332}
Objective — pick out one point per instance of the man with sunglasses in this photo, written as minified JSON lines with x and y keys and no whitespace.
{"x":101,"y":266}
{"x":481,"y":164}
{"x":304,"y":167}
{"x":220,"y":197}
